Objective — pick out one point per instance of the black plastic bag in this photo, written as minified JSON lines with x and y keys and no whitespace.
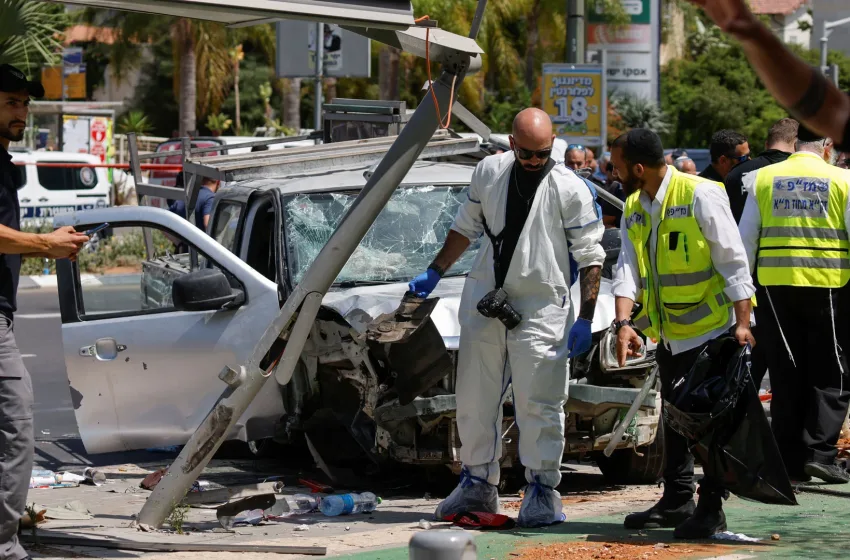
{"x":716,"y":406}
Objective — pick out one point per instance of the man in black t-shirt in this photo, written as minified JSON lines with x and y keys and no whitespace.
{"x":16,"y":398}
{"x":779,"y":145}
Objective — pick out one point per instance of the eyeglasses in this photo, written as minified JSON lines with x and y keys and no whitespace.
{"x":575,"y":147}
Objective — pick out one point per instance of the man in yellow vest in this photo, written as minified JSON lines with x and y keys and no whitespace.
{"x":683,"y":259}
{"x":795,"y":219}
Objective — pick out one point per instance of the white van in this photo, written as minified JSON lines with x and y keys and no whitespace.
{"x":48,"y":191}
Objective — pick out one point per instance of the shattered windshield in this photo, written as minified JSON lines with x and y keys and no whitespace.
{"x":402,"y":242}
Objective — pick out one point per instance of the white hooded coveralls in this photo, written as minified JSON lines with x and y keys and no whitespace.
{"x":532,"y":357}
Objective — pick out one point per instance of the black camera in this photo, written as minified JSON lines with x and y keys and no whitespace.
{"x":495,"y":306}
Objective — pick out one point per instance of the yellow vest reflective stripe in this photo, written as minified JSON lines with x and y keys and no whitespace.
{"x":692,"y":302}
{"x":803,"y":239}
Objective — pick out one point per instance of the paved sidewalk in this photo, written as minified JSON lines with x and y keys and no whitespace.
{"x":818,"y":528}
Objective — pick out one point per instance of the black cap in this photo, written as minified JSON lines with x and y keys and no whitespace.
{"x":805,"y":134}
{"x":12,"y":80}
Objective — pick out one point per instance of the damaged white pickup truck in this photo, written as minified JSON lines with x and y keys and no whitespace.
{"x":375,"y":383}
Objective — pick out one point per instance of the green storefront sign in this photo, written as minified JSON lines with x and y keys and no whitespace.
{"x":637,"y":9}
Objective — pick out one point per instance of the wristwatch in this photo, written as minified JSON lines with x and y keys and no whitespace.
{"x":616,"y":325}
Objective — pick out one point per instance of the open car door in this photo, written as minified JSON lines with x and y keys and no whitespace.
{"x":142,"y":372}
{"x":382,"y":14}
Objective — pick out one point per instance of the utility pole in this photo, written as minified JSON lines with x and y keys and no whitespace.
{"x":575,"y":31}
{"x":320,"y":60}
{"x":828,"y":26}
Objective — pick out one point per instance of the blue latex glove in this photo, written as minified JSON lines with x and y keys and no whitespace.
{"x":425,"y":283}
{"x":580,"y":337}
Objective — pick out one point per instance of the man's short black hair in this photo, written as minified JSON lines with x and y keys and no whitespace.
{"x":724,"y":142}
{"x":641,"y":146}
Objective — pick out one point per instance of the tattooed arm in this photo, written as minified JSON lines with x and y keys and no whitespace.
{"x":589,"y":279}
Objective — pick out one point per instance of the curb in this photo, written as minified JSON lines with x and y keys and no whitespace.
{"x":50,"y":281}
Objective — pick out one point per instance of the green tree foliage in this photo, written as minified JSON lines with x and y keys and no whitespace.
{"x":29,"y":33}
{"x":718,"y":89}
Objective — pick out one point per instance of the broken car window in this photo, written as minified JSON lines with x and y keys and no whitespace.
{"x":402,"y":242}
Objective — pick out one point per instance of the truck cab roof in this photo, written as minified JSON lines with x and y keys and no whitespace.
{"x":422,"y":172}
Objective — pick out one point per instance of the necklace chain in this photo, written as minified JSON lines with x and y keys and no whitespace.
{"x":527,"y":201}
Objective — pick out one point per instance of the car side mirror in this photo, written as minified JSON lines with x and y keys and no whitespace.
{"x":205,"y":290}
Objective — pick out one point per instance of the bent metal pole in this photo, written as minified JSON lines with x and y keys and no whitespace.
{"x":301,"y":307}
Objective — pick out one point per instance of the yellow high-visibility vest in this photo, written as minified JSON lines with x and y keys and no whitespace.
{"x":692,"y":301}
{"x":803,"y":239}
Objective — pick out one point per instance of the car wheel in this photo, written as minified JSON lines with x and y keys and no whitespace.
{"x":624,"y":466}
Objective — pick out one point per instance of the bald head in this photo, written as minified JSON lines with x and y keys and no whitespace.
{"x":532,"y":138}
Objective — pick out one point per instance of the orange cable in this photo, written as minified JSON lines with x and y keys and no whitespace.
{"x":430,"y":81}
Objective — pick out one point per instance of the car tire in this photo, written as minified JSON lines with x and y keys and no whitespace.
{"x":624,"y":466}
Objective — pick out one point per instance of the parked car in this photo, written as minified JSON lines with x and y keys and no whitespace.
{"x":144,"y":372}
{"x":50,"y":191}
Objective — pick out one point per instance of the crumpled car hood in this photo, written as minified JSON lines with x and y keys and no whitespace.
{"x":361,"y":305}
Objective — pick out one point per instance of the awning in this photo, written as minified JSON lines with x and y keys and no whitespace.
{"x":384,"y":14}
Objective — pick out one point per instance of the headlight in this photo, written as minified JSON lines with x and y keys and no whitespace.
{"x":608,"y":355}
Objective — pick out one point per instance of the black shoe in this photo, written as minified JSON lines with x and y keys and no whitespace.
{"x":833,"y":473}
{"x":666,"y":513}
{"x":707,"y":520}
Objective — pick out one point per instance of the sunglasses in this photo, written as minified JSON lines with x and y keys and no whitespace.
{"x":741,"y":159}
{"x":575,"y":147}
{"x":522,"y":153}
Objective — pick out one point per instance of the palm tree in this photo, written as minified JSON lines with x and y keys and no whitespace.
{"x":29,"y":33}
{"x":637,"y":112}
{"x":199,"y":48}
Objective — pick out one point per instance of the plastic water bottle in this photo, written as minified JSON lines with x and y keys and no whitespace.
{"x":293,"y":504}
{"x":46,"y":270}
{"x":345,"y":504}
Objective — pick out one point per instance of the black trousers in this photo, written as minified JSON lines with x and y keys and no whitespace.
{"x":679,"y":462}
{"x":811,"y":393}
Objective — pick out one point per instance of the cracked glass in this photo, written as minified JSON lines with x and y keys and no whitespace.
{"x":405,"y":238}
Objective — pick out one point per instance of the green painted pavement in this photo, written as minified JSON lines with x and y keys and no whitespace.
{"x":816,"y":529}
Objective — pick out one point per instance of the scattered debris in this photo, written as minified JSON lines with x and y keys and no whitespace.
{"x":347,"y":528}
{"x":94,"y":476}
{"x":316,"y":487}
{"x":662,"y":545}
{"x":151,"y":480}
{"x":774,"y":537}
{"x":424,"y":524}
{"x":223,"y":494}
{"x":617,"y":551}
{"x":301,"y":528}
{"x":200,"y":486}
{"x":34,"y":516}
{"x":247,"y":510}
{"x":123,"y":544}
{"x":41,"y":478}
{"x":737,"y":537}
{"x":71,"y":511}
{"x":69,"y":477}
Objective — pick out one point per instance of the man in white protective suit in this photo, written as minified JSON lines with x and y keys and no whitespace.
{"x":515,"y":314}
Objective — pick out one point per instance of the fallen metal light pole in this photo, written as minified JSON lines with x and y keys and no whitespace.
{"x":298,"y":313}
